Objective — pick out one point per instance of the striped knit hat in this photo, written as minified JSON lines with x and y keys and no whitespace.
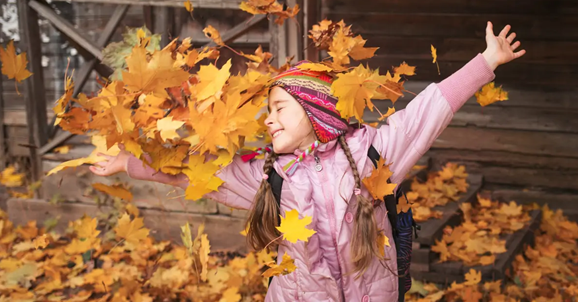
{"x":312,"y":89}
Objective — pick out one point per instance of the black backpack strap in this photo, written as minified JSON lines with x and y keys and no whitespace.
{"x":276,"y":182}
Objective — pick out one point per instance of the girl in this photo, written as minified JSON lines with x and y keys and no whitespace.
{"x":322,"y":161}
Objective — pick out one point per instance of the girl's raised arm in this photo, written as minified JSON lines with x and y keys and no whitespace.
{"x":411,"y":132}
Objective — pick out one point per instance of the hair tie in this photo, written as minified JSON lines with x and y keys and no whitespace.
{"x":357,"y":191}
{"x":290,"y":167}
{"x":265,"y":176}
{"x":247,"y":155}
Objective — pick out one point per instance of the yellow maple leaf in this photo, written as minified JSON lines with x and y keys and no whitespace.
{"x":77,"y":246}
{"x":354,"y":90}
{"x":85,"y":227}
{"x":286,"y":266}
{"x":114,"y":190}
{"x":154,"y":75}
{"x":213,"y":34}
{"x":315,"y":67}
{"x":390,"y":111}
{"x":187,"y":238}
{"x":382,"y":242}
{"x":511,"y":209}
{"x":41,"y":241}
{"x":405,"y":69}
{"x":377,"y":184}
{"x":340,"y":47}
{"x":188,"y":6}
{"x":231,"y":294}
{"x":14,"y":66}
{"x":490,"y":94}
{"x":10,"y":178}
{"x":293,"y":228}
{"x":359,"y":52}
{"x":473,"y":277}
{"x":131,"y":231}
{"x":62,"y":149}
{"x":204,"y":250}
{"x":434,"y":54}
{"x":168,"y":128}
{"x":212,"y":80}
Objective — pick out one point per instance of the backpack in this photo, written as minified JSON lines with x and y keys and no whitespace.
{"x":402,"y":224}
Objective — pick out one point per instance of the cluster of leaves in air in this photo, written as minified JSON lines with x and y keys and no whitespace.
{"x":440,"y":188}
{"x":190,"y":116}
{"x":546,"y":272}
{"x":13,"y":179}
{"x":480,"y":236}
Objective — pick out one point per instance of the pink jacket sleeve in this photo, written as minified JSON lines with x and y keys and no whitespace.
{"x":410,"y":132}
{"x":241,"y":180}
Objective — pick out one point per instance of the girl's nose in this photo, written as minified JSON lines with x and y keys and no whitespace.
{"x":269,"y":120}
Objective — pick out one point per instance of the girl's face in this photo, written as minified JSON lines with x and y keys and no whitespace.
{"x":288,"y":124}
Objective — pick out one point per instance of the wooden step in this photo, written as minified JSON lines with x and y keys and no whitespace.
{"x":454,"y":271}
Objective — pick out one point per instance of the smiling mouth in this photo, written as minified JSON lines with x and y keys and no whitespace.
{"x":277,"y":133}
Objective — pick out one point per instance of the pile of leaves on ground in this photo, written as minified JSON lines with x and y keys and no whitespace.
{"x":84,"y":265}
{"x":546,"y":272}
{"x":440,"y":188}
{"x":481,"y":235}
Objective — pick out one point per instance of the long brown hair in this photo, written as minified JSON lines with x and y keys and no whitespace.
{"x":263,"y":217}
{"x":365,"y":232}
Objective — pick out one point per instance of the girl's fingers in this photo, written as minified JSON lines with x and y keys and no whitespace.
{"x":519,"y":53}
{"x":109,"y":157}
{"x":515,"y":45}
{"x":490,"y":29}
{"x":511,"y":37}
{"x":504,"y":31}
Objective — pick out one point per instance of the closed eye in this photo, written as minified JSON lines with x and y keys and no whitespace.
{"x":279,"y":109}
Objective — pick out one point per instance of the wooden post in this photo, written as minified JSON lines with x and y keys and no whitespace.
{"x":162,"y":24}
{"x":34,"y":86}
{"x":295,"y":30}
{"x":311,"y":17}
{"x":3,"y":146}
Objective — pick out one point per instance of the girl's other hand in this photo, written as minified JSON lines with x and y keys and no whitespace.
{"x":500,"y":49}
{"x":112,"y":164}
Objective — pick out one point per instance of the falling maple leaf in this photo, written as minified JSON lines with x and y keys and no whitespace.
{"x":490,"y":94}
{"x":382,"y":242}
{"x":14,"y":66}
{"x":9,"y":177}
{"x":114,"y":190}
{"x":405,"y":69}
{"x":188,"y":6}
{"x":293,"y":228}
{"x":354,"y":91}
{"x":257,"y":7}
{"x":286,"y":266}
{"x":131,"y":231}
{"x":377,"y":184}
{"x":435,"y":57}
{"x":390,"y":111}
{"x":213,"y":34}
{"x":167,"y":128}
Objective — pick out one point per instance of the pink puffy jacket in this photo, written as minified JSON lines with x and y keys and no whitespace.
{"x":322,"y":263}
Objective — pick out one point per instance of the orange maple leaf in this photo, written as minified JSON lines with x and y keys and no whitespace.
{"x":14,"y":66}
{"x":490,"y":94}
{"x":213,"y":34}
{"x":377,"y":184}
{"x":114,"y":190}
{"x":131,"y":231}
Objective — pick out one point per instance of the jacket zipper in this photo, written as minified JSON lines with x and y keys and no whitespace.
{"x":329,"y":206}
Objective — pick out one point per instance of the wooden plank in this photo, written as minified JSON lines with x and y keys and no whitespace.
{"x":503,"y":158}
{"x":563,"y":76}
{"x":523,"y":142}
{"x":450,"y":49}
{"x":3,"y":145}
{"x":66,"y":28}
{"x":229,"y":4}
{"x":554,"y":200}
{"x":469,"y":24}
{"x":532,"y":7}
{"x":521,"y":118}
{"x":530,"y":177}
{"x":34,"y":86}
{"x":294,"y":32}
{"x":546,"y":97}
{"x":223,"y":231}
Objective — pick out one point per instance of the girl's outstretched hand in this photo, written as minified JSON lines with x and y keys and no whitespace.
{"x":500,"y":49}
{"x":112,"y":164}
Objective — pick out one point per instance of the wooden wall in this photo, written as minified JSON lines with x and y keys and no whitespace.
{"x":526,"y":144}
